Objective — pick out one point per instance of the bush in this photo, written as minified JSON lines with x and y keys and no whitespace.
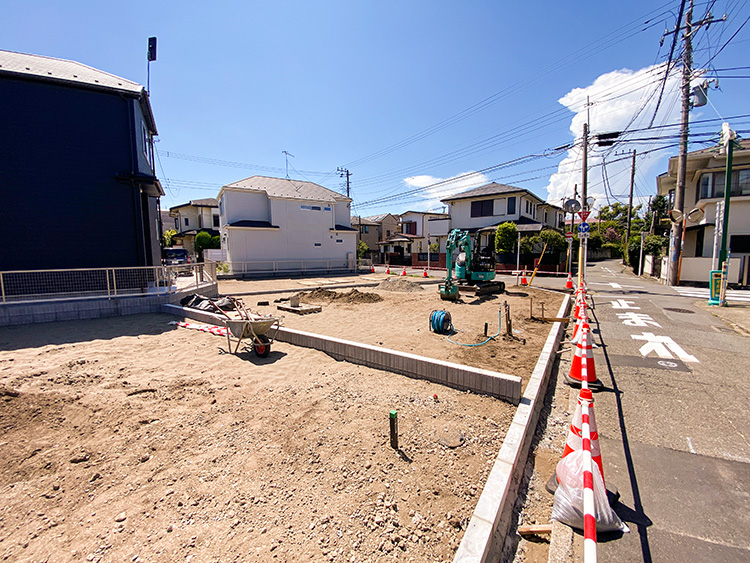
{"x":653,"y":245}
{"x":362,"y":249}
{"x":555,"y":241}
{"x":615,"y":249}
{"x":167,"y":237}
{"x":506,"y":235}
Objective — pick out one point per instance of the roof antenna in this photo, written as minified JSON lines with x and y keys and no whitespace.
{"x":287,"y":154}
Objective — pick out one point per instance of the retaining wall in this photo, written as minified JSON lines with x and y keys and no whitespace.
{"x":90,"y":308}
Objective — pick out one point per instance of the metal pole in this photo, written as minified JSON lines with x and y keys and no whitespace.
{"x":518,"y":252}
{"x":727,"y":193}
{"x":630,"y":207}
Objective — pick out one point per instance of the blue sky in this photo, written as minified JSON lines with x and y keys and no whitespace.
{"x":404,"y":94}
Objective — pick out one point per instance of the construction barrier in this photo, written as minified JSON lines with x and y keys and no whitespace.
{"x":589,"y":514}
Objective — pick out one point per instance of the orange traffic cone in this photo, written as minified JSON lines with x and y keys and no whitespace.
{"x":584,"y":353}
{"x":403,"y":272}
{"x":424,"y":274}
{"x":388,"y":269}
{"x":524,"y":281}
{"x":372,"y":268}
{"x":569,"y":283}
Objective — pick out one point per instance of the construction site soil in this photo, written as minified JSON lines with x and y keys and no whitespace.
{"x":130,"y":439}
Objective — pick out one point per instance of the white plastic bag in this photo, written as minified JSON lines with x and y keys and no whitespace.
{"x":568,"y":505}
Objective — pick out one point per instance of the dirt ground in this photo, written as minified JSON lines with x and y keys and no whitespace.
{"x":128,"y":439}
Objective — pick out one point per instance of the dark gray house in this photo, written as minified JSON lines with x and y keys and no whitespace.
{"x":77,"y":182}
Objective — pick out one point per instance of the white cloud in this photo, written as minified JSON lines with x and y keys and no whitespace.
{"x":445,"y":187}
{"x":618,"y":100}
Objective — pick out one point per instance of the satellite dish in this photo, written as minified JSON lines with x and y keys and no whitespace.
{"x":572,"y":206}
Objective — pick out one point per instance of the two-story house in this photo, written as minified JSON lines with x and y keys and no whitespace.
{"x":491,"y":205}
{"x":387,"y":224}
{"x":404,"y":247}
{"x":274,"y":224}
{"x":704,"y":189}
{"x":191,"y":218}
{"x":368,"y":231}
{"x":76,"y":167}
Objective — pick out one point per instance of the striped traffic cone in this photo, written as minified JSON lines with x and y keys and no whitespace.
{"x":574,"y":443}
{"x":424,"y":273}
{"x":581,"y":316}
{"x":584,"y":354}
{"x":569,"y":283}
{"x":403,"y":272}
{"x":388,"y":269}
{"x":524,"y":281}
{"x":372,"y":268}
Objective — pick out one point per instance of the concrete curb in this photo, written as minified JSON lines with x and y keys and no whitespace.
{"x":485,"y":535}
{"x":496,"y":384}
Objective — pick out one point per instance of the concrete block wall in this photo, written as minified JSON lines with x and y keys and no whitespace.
{"x":485,"y":536}
{"x":75,"y":309}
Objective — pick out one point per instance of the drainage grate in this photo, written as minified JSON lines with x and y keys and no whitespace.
{"x":678,"y":310}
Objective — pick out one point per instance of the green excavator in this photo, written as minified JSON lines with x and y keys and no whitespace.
{"x":472,"y":269}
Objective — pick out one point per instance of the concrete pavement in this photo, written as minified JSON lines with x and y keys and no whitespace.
{"x":674,"y":421}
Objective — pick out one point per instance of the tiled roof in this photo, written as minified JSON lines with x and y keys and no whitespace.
{"x":288,"y":189}
{"x":363,"y":221}
{"x":206,"y":202}
{"x":488,"y":190}
{"x":50,"y":68}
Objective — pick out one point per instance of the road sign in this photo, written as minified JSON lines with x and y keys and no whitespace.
{"x":584,"y":215}
{"x":568,"y":235}
{"x":583,"y":228}
{"x":583,"y":235}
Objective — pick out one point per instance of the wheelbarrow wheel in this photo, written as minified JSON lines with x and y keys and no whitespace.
{"x":262,"y":348}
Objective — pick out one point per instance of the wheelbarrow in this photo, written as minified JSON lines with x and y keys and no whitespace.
{"x":261,"y":330}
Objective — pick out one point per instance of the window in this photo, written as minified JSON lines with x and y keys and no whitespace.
{"x":365,"y":229}
{"x":221,"y":206}
{"x":739,"y":244}
{"x":545,"y":216}
{"x":216,"y":221}
{"x":482,"y":208}
{"x":316,"y":208}
{"x":187,"y":222}
{"x":512,"y":205}
{"x":711,"y":184}
{"x":326,"y":209}
{"x":409,"y":228}
{"x":318,"y":244}
{"x":339,"y":241}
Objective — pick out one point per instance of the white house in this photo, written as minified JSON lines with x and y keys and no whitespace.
{"x":493,"y":204}
{"x":704,"y":189}
{"x":281,"y":224}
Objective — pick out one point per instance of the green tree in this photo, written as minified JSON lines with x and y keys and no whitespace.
{"x":362,"y":249}
{"x":506,"y":235}
{"x":202,"y":241}
{"x":435,"y":247}
{"x":555,"y":241}
{"x":167,"y":236}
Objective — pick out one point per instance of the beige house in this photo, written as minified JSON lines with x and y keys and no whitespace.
{"x":704,"y":189}
{"x":191,"y":218}
{"x":368,"y":231}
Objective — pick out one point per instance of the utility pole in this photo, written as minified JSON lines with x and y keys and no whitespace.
{"x":582,"y":240}
{"x":679,"y":196}
{"x":630,"y":207}
{"x":343,"y":172}
{"x":727,"y":139}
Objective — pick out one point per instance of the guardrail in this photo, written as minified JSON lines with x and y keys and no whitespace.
{"x":20,"y":286}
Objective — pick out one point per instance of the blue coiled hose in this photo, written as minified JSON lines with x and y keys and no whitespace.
{"x":440,"y":322}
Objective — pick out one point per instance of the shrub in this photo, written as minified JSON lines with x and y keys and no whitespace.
{"x":506,"y":235}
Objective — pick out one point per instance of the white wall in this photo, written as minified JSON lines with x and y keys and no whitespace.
{"x":304,"y":233}
{"x":460,"y":212}
{"x":342,"y":214}
{"x":244,"y":205}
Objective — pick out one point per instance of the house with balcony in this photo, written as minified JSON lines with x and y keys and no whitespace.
{"x":704,"y":189}
{"x":191,"y":218}
{"x":282,"y":225}
{"x":493,"y":204}
{"x":79,"y":188}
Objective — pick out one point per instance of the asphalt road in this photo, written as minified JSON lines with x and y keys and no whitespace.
{"x":673,"y":421}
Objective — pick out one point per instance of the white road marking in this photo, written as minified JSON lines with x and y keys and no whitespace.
{"x":662,"y":346}
{"x":616,"y":285}
{"x":623,"y":304}
{"x":704,"y":293}
{"x":637,"y":319}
